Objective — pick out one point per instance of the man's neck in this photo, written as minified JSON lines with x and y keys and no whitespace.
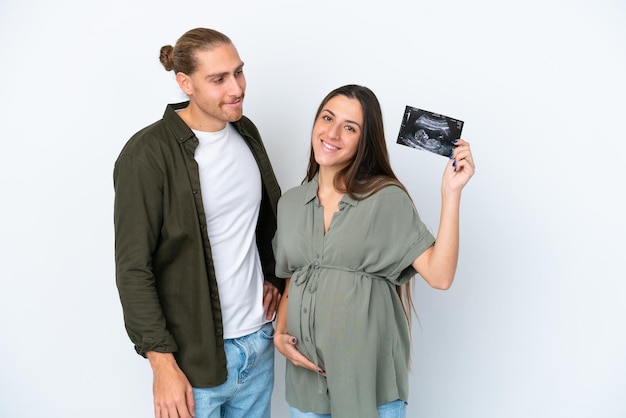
{"x":196,"y":120}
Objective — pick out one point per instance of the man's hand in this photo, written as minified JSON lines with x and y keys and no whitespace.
{"x":173,"y":395}
{"x":271,"y":298}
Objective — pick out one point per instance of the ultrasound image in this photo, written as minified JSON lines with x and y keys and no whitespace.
{"x":429,"y":131}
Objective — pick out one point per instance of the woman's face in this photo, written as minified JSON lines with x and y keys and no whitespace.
{"x":336,"y":132}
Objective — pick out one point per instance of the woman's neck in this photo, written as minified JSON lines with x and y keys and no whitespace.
{"x":326,"y":191}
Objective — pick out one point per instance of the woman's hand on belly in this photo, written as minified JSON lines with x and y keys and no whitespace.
{"x":286,"y":345}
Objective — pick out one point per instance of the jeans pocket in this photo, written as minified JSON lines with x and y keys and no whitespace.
{"x":267,"y":331}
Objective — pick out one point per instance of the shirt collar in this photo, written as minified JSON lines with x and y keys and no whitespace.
{"x":311,"y":194}
{"x":181,"y":131}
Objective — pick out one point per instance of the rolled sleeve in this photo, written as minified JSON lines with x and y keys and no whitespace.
{"x":137,"y":220}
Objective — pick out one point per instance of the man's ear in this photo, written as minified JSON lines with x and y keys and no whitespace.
{"x":184,"y":82}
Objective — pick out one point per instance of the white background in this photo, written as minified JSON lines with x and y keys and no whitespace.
{"x":534,"y":323}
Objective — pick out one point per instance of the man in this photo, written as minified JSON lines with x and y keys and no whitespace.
{"x":195,"y":213}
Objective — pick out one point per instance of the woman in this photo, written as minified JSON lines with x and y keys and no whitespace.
{"x":348,"y":241}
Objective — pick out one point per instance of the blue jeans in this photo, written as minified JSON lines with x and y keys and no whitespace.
{"x":247,"y":391}
{"x":395,"y":409}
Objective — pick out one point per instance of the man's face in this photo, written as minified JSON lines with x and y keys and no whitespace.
{"x":216,"y":89}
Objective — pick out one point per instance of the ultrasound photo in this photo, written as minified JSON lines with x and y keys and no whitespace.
{"x":429,"y":131}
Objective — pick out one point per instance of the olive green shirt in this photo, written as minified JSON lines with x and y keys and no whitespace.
{"x":343,"y":307}
{"x":164,"y":267}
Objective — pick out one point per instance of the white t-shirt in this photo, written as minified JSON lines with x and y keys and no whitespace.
{"x":231,"y":194}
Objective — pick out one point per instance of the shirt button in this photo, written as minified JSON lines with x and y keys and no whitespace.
{"x":307,"y":339}
{"x":305,"y":310}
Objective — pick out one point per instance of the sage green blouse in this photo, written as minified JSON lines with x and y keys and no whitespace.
{"x":343,"y":306}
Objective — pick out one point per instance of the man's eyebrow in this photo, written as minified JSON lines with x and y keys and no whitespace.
{"x":224,"y":73}
{"x":349,"y":121}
